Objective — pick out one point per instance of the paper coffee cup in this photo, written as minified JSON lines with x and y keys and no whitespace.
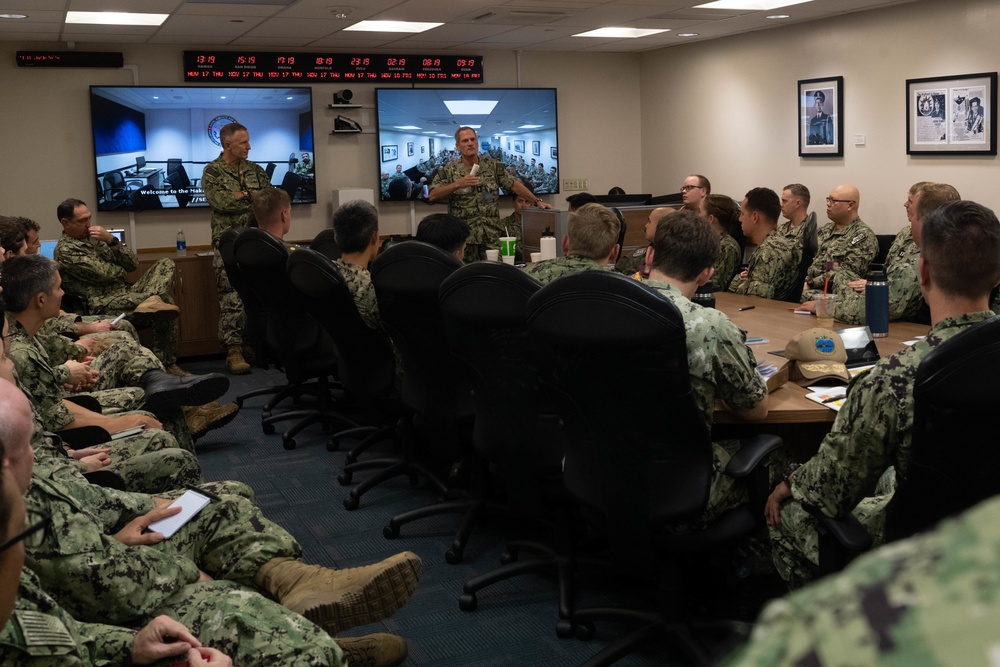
{"x":508,"y":259}
{"x":493,"y":255}
{"x":536,"y":257}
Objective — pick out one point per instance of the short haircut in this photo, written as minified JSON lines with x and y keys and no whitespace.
{"x":725,"y":211}
{"x":915,"y":188}
{"x":593,"y":231}
{"x":800,"y":191}
{"x":961,"y":244}
{"x":764,"y":201}
{"x":934,"y":195}
{"x":704,"y":183}
{"x":230,"y":129}
{"x":444,"y":231}
{"x":684,"y":246}
{"x":26,"y":224}
{"x":269,"y":202}
{"x":353,"y":225}
{"x":463,"y":129}
{"x":580,"y":199}
{"x":25,"y":276}
{"x":11,"y":235}
{"x":66,"y":208}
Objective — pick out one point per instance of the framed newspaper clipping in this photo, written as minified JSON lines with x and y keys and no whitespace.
{"x":952,"y":115}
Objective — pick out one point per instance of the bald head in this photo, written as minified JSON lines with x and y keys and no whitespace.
{"x":842,"y":204}
{"x":15,"y":432}
{"x":655,"y":216}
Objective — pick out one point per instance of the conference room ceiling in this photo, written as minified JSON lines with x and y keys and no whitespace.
{"x":470,"y":26}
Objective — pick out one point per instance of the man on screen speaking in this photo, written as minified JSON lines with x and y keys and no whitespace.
{"x":471,"y":184}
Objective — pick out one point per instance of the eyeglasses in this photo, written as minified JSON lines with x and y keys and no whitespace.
{"x":831,"y":200}
{"x":31,"y":537}
{"x":686,"y":188}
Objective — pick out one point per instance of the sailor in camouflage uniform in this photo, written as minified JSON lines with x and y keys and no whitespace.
{"x":774,"y":265}
{"x":635,"y":262}
{"x":94,"y":264}
{"x":846,"y":242}
{"x":905,"y":299}
{"x":475,"y":198}
{"x":961,"y":244}
{"x":590,"y":244}
{"x":230,"y":182}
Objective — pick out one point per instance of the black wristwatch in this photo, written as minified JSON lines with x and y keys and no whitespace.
{"x":792,"y":467}
{"x":113,"y":242}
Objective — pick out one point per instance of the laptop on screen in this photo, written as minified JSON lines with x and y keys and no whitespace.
{"x":118,"y":234}
{"x":48,"y":249}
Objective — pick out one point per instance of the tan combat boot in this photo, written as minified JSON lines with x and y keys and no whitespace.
{"x":204,"y":418}
{"x":337,"y":600}
{"x":375,"y":650}
{"x":155,"y":306}
{"x":235,"y":363}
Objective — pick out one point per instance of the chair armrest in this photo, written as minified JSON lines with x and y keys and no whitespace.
{"x":105,"y":478}
{"x":86,"y":401}
{"x":751,"y":452}
{"x":847,"y":530}
{"x":84,"y":436}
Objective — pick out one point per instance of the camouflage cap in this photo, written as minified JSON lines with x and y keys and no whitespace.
{"x":818,"y":354}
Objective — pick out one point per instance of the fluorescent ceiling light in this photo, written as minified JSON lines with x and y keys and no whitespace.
{"x":779,"y":16}
{"x":471,"y":107}
{"x":392,"y":26}
{"x":474,"y":127}
{"x":115,"y":18}
{"x":750,"y":5}
{"x":13,"y":16}
{"x":529,"y":127}
{"x":626,"y":33}
{"x":687,"y":34}
{"x":407,"y":127}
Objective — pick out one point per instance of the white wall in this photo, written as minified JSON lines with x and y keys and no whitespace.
{"x":48,"y":149}
{"x":727,"y":108}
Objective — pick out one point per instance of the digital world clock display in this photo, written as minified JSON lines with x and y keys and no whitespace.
{"x":272,"y":66}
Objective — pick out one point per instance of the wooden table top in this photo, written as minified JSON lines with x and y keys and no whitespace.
{"x":775,"y":321}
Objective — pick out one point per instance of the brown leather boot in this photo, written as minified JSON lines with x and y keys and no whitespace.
{"x":376,"y":650}
{"x":235,"y":363}
{"x":337,"y":600}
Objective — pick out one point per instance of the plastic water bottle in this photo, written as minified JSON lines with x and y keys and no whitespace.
{"x":877,"y":301}
{"x":182,"y":246}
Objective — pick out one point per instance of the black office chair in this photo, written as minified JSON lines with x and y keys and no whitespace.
{"x":622,"y":228}
{"x":516,"y":431}
{"x":269,"y":170}
{"x":810,"y":244}
{"x":366,"y":364}
{"x":639,"y":457}
{"x":306,"y":352}
{"x":325,"y":244}
{"x":291,"y":183}
{"x":407,"y":278}
{"x":884,"y":243}
{"x":953,"y":454}
{"x":117,"y":191}
{"x":178,"y":179}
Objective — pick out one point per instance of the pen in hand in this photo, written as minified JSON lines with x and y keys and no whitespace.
{"x":746,"y":308}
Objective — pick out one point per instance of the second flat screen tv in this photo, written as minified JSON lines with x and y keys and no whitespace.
{"x":152,"y":143}
{"x":416,"y":132}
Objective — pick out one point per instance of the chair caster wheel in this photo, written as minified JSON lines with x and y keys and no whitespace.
{"x":468,"y":602}
{"x":453,"y":556}
{"x":268,"y":429}
{"x":389,"y":532}
{"x":288,"y":443}
{"x":351,"y":503}
{"x":507,"y":557}
{"x":584,"y":631}
{"x":564,"y":629}
{"x":345,"y":478}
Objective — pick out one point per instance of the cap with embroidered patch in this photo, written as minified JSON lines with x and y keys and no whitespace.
{"x":818,"y":354}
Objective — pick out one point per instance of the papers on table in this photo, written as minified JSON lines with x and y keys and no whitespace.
{"x":831,"y":397}
{"x":191,"y":503}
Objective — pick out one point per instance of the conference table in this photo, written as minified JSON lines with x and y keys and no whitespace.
{"x":790,"y":413}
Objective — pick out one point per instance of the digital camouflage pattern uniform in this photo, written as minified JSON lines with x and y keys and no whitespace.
{"x":721,"y":366}
{"x":219,"y":180}
{"x":43,"y":634}
{"x":96,"y":578}
{"x":930,"y":600}
{"x":773,"y":269}
{"x":871,"y":433}
{"x":65,"y":325}
{"x":359,"y":282}
{"x":854,"y":246}
{"x":632,"y":263}
{"x":97,"y":271}
{"x":730,"y":258}
{"x":905,"y":298}
{"x":479,"y":206}
{"x":995,"y":304}
{"x":548,"y":270}
{"x":509,"y":226}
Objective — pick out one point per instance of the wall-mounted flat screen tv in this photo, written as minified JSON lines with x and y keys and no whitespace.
{"x":151,"y":144}
{"x":416,"y":134}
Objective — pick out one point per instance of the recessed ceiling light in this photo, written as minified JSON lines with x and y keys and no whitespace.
{"x":13,"y":16}
{"x":779,"y":16}
{"x":687,"y":34}
{"x":624,"y":33}
{"x":470,"y":107}
{"x":407,"y":127}
{"x":116,"y":18}
{"x":529,"y":127}
{"x":392,"y":26}
{"x":750,"y":5}
{"x":474,"y":127}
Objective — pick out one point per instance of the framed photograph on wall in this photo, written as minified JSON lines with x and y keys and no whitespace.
{"x":821,"y":117}
{"x":390,"y":153}
{"x":952,"y":115}
{"x":519,"y":145}
{"x":554,"y":153}
{"x":409,"y":148}
{"x":536,"y":147}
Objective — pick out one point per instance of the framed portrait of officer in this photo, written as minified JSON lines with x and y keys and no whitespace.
{"x":821,"y":117}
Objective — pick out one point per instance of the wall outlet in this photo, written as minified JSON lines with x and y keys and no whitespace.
{"x":578,"y":184}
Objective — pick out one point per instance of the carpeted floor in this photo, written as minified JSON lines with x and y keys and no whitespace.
{"x":515,"y":620}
